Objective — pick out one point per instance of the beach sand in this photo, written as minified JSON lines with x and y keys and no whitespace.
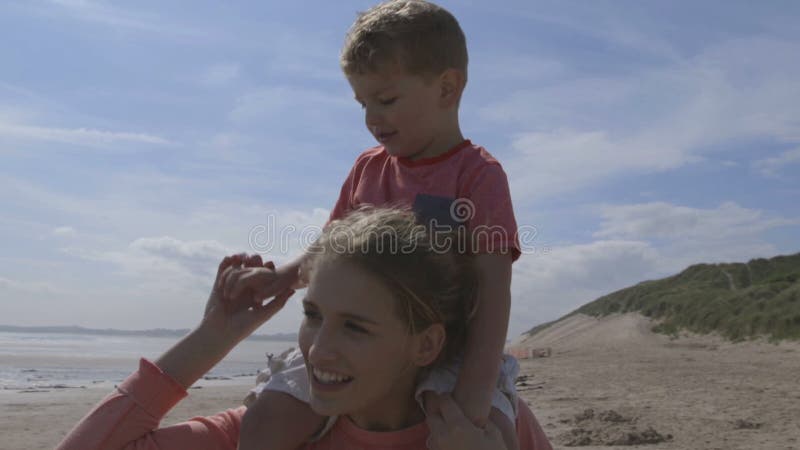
{"x":606,"y":381}
{"x":614,"y":381}
{"x":39,"y":420}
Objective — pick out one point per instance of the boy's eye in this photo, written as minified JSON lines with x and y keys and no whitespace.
{"x":389,"y":101}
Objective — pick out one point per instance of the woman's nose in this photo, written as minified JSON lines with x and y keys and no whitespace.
{"x":323,"y":347}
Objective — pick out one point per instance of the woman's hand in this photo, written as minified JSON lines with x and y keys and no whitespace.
{"x":224,"y":325}
{"x":451,"y":430}
{"x":235,"y":318}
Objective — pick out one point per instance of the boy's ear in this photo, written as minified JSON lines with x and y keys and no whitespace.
{"x":429,"y":343}
{"x":452,"y":83}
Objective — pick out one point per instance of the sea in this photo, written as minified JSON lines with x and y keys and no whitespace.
{"x":36,"y":361}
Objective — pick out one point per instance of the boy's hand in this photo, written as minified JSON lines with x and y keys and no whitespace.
{"x":250,"y":285}
{"x":235,"y":320}
{"x":451,"y":430}
{"x":221,"y":329}
{"x":433,"y":405}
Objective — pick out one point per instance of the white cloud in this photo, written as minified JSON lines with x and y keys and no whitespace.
{"x":172,"y":275}
{"x":659,"y":220}
{"x":153,"y":259}
{"x":170,"y":247}
{"x":526,"y":68}
{"x":583,"y":131}
{"x":771,"y":167}
{"x":312,"y":107}
{"x":79,"y":136}
{"x":107,"y":14}
{"x":197,"y":257}
{"x":564,"y":160}
{"x":64,"y":232}
{"x":29,"y":287}
{"x":296,"y":117}
{"x":220,"y":74}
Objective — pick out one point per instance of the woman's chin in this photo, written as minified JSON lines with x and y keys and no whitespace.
{"x":326,"y":407}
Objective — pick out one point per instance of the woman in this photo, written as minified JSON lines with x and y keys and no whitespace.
{"x":383,"y":306}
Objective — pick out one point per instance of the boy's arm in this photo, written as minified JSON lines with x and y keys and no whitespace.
{"x":486,"y":337}
{"x":294,"y":271}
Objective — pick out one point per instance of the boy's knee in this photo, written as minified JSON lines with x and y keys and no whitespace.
{"x":258,"y":414}
{"x":263,"y":408}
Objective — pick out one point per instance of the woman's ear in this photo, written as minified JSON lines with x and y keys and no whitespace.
{"x":429,"y":343}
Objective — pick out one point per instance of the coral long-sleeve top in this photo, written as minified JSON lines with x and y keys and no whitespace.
{"x":129,"y":419}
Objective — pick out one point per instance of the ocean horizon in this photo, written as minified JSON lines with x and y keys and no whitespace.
{"x":37,"y":361}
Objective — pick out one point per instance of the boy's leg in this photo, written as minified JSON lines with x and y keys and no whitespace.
{"x":507,"y":428}
{"x":278,"y":421}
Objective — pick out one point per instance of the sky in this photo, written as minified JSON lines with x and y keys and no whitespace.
{"x":142,"y":141}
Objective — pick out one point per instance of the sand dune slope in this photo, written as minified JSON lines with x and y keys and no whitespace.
{"x":613,"y":383}
{"x":581,"y":331}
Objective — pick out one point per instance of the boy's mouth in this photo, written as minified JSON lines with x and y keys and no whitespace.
{"x":383,"y":137}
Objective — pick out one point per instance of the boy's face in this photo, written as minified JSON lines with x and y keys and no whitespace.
{"x":403,"y":112}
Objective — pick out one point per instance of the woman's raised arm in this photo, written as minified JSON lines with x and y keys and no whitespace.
{"x":129,"y":417}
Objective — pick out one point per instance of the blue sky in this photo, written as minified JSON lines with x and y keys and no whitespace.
{"x":141,"y":141}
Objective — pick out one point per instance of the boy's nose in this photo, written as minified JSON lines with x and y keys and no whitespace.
{"x":373,"y":119}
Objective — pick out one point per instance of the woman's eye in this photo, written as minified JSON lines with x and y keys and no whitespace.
{"x":311,"y":315}
{"x":389,"y":101}
{"x":357,"y":328}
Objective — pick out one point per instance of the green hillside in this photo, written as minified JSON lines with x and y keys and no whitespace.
{"x":736,"y":300}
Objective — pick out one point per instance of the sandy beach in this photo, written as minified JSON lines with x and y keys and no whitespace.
{"x":612,"y":383}
{"x":39,"y":420}
{"x":608,"y":384}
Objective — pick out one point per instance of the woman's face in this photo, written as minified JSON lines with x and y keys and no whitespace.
{"x":359,"y":354}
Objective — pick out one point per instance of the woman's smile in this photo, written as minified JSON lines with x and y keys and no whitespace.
{"x":327,"y":381}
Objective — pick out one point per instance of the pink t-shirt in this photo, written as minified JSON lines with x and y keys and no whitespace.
{"x":463,"y":186}
{"x":129,"y":419}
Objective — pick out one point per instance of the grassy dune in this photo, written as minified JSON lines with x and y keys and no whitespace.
{"x":736,"y":300}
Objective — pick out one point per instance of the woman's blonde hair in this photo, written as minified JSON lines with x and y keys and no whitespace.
{"x":432,"y":282}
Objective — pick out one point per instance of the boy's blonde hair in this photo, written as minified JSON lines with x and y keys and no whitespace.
{"x":431,"y":282}
{"x":423,"y":38}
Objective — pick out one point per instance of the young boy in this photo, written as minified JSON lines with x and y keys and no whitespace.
{"x":406,"y":62}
